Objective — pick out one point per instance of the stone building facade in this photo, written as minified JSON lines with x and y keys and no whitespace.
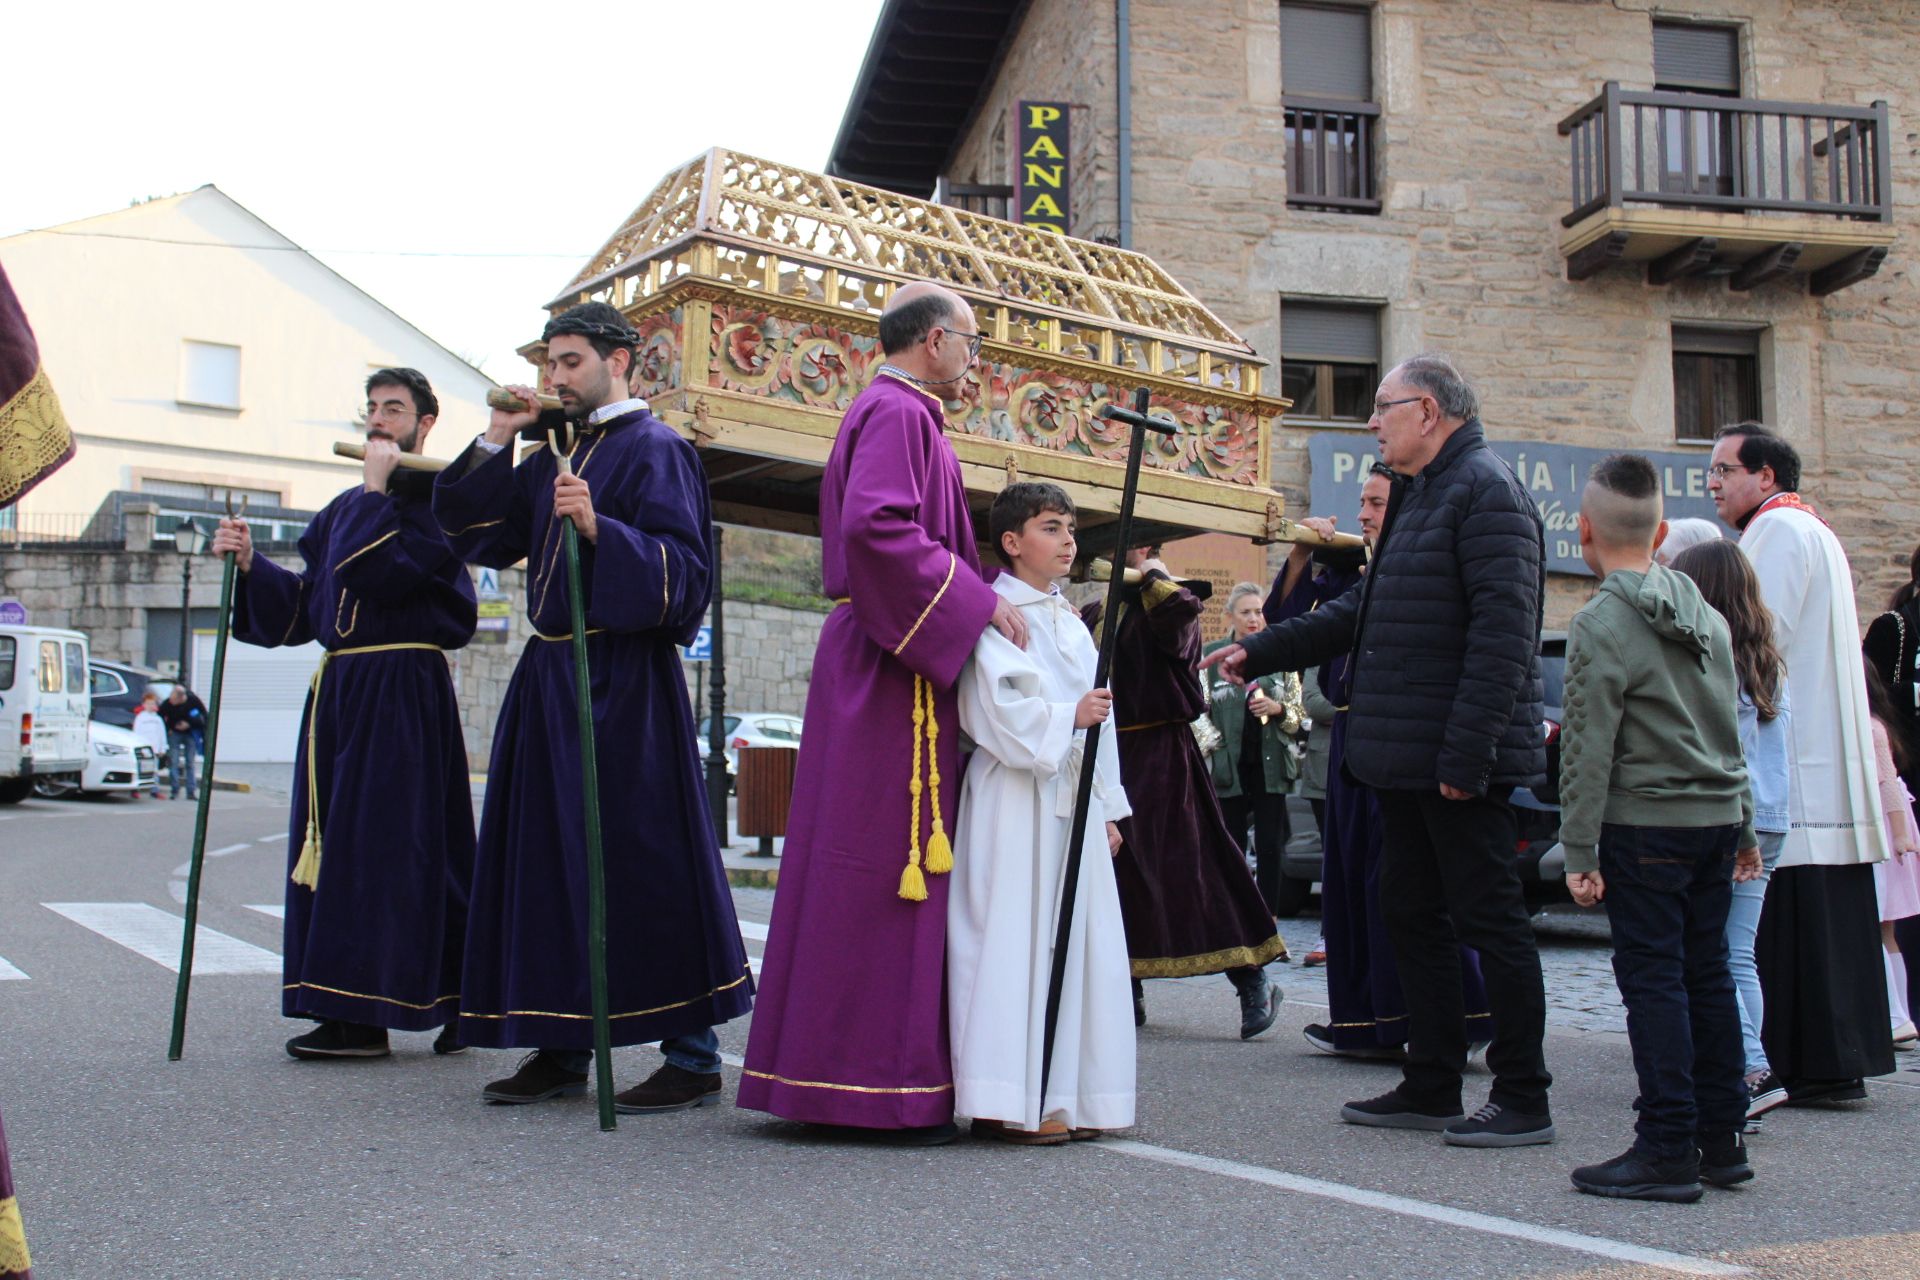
{"x":1466,"y":251}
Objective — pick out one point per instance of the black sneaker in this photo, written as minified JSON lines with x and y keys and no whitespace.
{"x":1808,"y":1092}
{"x":1636,"y":1177}
{"x":1723,"y":1161}
{"x":1320,"y":1036}
{"x":1496,"y":1126}
{"x":1764,"y":1094}
{"x":669,"y":1089}
{"x":1391,"y":1110}
{"x":340,"y":1040}
{"x":1259,"y":1006}
{"x":447,"y":1043}
{"x":540,"y":1077}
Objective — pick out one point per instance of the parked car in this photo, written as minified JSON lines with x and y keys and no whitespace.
{"x":752,"y":729}
{"x":44,"y":703}
{"x":116,"y":761}
{"x":1537,"y":854}
{"x":119,"y":686}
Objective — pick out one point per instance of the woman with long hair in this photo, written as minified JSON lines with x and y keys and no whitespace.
{"x":1727,"y":583}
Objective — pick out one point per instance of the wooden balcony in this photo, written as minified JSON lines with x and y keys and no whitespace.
{"x":1749,"y":189}
{"x":1330,"y":155}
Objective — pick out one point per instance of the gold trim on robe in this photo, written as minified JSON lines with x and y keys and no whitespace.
{"x":34,"y":437}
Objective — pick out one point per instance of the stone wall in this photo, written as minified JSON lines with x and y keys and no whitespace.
{"x":1465,"y":257}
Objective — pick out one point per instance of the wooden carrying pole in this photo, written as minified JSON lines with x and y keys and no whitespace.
{"x":1083,"y":795}
{"x":408,"y":461}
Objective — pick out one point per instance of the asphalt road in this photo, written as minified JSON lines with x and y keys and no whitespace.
{"x":240,"y":1162}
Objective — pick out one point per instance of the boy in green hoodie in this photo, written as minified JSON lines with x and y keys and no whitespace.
{"x":1657,"y":818}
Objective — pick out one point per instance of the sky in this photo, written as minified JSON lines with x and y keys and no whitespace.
{"x":457,"y":161}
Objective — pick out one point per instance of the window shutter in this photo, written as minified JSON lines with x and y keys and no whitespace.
{"x":1692,"y":340}
{"x":1329,"y":331}
{"x":1687,"y":55}
{"x":1326,"y":52}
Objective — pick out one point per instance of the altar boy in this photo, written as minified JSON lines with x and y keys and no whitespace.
{"x":1024,"y":711}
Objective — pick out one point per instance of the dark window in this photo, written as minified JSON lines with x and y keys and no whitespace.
{"x":105,"y":684}
{"x":9,"y":649}
{"x":1326,"y":85}
{"x":1716,"y":380}
{"x":1699,"y":152}
{"x":1329,"y":360}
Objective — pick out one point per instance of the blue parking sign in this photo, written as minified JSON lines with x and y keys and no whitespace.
{"x":701,"y":650}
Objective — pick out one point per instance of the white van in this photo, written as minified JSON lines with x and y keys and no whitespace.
{"x":44,"y":704}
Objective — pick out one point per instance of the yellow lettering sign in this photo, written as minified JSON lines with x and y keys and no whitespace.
{"x":1050,"y":174}
{"x":1043,"y":146}
{"x":1040,"y":116}
{"x":1044,"y":206}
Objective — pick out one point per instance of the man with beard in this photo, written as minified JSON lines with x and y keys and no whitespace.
{"x":381,"y":842}
{"x":1818,"y":946}
{"x":638,"y":497}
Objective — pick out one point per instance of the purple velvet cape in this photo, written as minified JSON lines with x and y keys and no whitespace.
{"x":851,"y":1026}
{"x":675,"y":962}
{"x":1189,"y":901}
{"x":1365,"y":1006}
{"x":378,"y":940}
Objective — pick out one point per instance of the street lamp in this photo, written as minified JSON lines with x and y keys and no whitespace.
{"x":189,"y":540}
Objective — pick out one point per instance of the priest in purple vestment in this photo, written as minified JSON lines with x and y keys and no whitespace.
{"x":381,"y":842}
{"x":851,"y":1026}
{"x":675,"y":964}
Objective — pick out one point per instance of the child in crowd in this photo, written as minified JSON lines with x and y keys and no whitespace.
{"x":1896,"y":880}
{"x":152,"y":730}
{"x":1024,"y":711}
{"x":1655,"y":815}
{"x":1727,"y":583}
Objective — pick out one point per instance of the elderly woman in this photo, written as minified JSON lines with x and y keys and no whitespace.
{"x":1256,"y":764}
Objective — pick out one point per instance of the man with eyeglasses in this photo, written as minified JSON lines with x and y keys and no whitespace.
{"x":1817,"y":949}
{"x":1443,"y":722}
{"x":380,"y":850}
{"x":850,"y":1028}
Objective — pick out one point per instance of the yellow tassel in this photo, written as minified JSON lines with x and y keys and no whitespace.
{"x":913,"y":885}
{"x":306,"y":872}
{"x":939,"y":854}
{"x":939,"y":848}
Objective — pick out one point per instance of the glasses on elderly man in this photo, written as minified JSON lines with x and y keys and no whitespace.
{"x":1380,"y":407}
{"x":973,"y":340}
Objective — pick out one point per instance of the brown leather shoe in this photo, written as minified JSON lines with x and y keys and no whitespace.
{"x":538,"y":1079}
{"x":1087,"y":1135}
{"x":669,"y":1089}
{"x":1051,"y":1133}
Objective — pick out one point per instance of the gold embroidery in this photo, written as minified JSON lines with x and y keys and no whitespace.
{"x":299,"y":594}
{"x":362,"y":551}
{"x":666,"y":596}
{"x":592,"y":631}
{"x":34,"y":437}
{"x":360,"y":995}
{"x":1211,"y":962}
{"x":587,"y":1017}
{"x":953,"y":562}
{"x":484,"y":524}
{"x":847,"y":1088}
{"x":353,"y":619}
{"x":14,"y":1259}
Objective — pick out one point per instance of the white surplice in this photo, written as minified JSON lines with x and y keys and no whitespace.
{"x":1010,"y":851}
{"x":1805,"y":581}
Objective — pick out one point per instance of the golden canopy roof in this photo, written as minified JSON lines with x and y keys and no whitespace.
{"x":757,"y":289}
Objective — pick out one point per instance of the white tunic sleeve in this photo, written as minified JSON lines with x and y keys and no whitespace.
{"x":1003,"y":712}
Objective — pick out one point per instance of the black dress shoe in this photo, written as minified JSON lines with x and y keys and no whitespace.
{"x":340,"y":1040}
{"x":1723,"y":1161}
{"x":1637,"y":1177}
{"x":669,"y":1089}
{"x":1801,"y":1093}
{"x":1392,"y":1110}
{"x":539,"y":1078}
{"x":447,"y":1043}
{"x":1259,"y":1006}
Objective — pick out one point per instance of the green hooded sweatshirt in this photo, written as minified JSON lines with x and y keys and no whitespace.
{"x":1651,"y":736}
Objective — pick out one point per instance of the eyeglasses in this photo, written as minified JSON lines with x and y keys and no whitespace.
{"x":389,"y":409}
{"x":973,"y":340}
{"x":1380,"y":407}
{"x":1721,"y":470}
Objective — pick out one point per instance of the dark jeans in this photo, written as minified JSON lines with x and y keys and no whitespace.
{"x":1667,"y":894}
{"x":180,"y":764}
{"x":1266,"y":813}
{"x":1447,"y":878}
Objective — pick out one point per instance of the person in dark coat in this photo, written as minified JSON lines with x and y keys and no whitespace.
{"x":375,"y":927}
{"x":1444,"y":722}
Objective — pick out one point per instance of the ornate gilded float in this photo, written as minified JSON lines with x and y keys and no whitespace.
{"x":757,"y":289}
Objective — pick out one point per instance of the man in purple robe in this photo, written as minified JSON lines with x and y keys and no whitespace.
{"x":851,"y":1027}
{"x":381,"y":843}
{"x":675,"y":964}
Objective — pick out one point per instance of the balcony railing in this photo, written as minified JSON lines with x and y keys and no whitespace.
{"x":1739,"y":155}
{"x":1330,"y":154}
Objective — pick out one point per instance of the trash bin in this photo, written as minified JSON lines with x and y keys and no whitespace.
{"x":764,"y":791}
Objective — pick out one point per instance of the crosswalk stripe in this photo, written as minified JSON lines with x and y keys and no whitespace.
{"x":148,"y":931}
{"x":753,"y":929}
{"x":8,"y":973}
{"x":278,"y":910}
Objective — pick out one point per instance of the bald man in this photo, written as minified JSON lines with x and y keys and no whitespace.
{"x":850,"y":1027}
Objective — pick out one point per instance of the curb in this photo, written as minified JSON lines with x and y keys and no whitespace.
{"x":753,"y":877}
{"x":221,"y":784}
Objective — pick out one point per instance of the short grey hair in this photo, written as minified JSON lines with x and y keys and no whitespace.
{"x":1241,"y":591}
{"x":1686,"y":532}
{"x":1435,"y":375}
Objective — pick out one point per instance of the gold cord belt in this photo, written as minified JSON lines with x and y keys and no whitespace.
{"x":306,"y":872}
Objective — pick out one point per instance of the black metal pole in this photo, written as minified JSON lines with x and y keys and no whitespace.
{"x":717,"y":705}
{"x":1083,"y":794}
{"x":186,"y":617}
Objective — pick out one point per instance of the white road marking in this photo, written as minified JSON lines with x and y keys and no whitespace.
{"x":272,"y":839}
{"x":277,"y":910}
{"x":232,"y":848}
{"x":753,"y":929}
{"x":1467,"y":1219}
{"x":8,"y":973}
{"x":148,"y":931}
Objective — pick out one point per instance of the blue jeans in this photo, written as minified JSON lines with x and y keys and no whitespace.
{"x":1668,"y":890}
{"x":180,"y":763}
{"x":1743,"y":921}
{"x":697,"y":1051}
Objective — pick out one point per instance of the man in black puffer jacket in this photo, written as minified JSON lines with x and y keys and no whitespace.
{"x":1444,"y":722}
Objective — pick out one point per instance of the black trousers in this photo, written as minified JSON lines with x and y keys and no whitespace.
{"x":1447,"y":878}
{"x":1266,"y":813}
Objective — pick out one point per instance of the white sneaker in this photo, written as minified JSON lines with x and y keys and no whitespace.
{"x":1906,"y":1037}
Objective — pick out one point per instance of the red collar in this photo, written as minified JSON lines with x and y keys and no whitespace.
{"x":1786,"y":501}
